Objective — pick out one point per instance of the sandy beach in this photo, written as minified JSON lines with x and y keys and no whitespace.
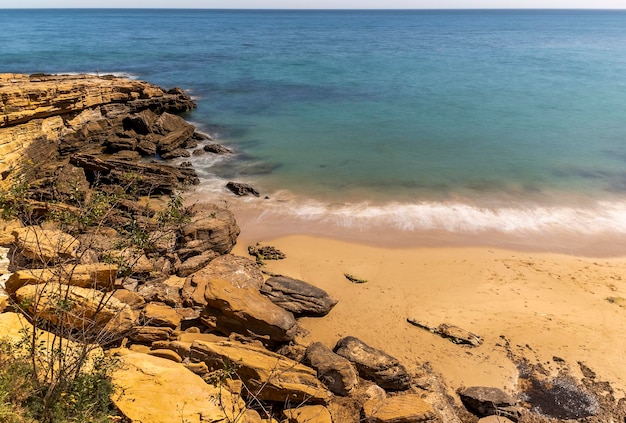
{"x":550,"y":309}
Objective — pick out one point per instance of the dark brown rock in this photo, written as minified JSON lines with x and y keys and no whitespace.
{"x":217,"y":149}
{"x":486,"y":401}
{"x":333,"y":370}
{"x":374,"y":364}
{"x":298,"y":297}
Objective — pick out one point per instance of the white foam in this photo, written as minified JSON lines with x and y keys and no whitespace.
{"x":600,"y":217}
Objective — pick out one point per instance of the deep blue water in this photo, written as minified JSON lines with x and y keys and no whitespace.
{"x":457,"y":120}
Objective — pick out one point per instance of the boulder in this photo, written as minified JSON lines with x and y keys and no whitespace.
{"x":156,"y":390}
{"x":7,"y":227}
{"x":298,"y":297}
{"x":486,"y":401}
{"x":4,"y":260}
{"x":241,"y":189}
{"x":97,"y":275}
{"x":333,"y":370}
{"x":399,"y":409}
{"x":267,"y":376}
{"x":239,"y":271}
{"x":214,"y":227}
{"x":307,"y":414}
{"x":134,"y":300}
{"x":374,"y":364}
{"x":246,"y":311}
{"x":45,"y":245}
{"x":166,"y":354}
{"x":96,"y":314}
{"x":160,"y":315}
{"x":164,"y":291}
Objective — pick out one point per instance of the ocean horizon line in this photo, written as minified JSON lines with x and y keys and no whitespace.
{"x":269,"y":9}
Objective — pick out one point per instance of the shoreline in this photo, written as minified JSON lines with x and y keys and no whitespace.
{"x":549,"y":309}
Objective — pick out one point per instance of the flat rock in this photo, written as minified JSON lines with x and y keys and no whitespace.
{"x":307,"y":414}
{"x":267,"y":375}
{"x":195,"y":263}
{"x":156,"y":390}
{"x":164,"y":291}
{"x":374,"y":364}
{"x":399,"y":409}
{"x":298,"y":297}
{"x":335,"y":371}
{"x":150,"y":334}
{"x":160,"y":315}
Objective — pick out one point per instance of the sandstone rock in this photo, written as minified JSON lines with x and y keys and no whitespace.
{"x":92,"y":312}
{"x":188,"y":337}
{"x":399,"y":409}
{"x":307,"y":414}
{"x":374,"y":364}
{"x":4,"y":297}
{"x":215,"y":227}
{"x":239,"y":271}
{"x":97,"y":275}
{"x":333,"y":370}
{"x":44,"y":244}
{"x":150,"y":334}
{"x":246,"y":311}
{"x":130,"y":298}
{"x":298,"y":297}
{"x":267,"y":375}
{"x":166,"y":354}
{"x":174,"y":154}
{"x":164,"y":291}
{"x":495,"y":419}
{"x":7,"y":227}
{"x":160,"y":315}
{"x":4,"y":260}
{"x":241,"y":189}
{"x":196,"y":263}
{"x":156,"y":390}
{"x":485,"y":401}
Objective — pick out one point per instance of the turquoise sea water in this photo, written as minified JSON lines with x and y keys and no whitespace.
{"x":461,"y":121}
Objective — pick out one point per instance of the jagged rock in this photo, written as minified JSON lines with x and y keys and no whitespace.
{"x":97,"y":275}
{"x":150,"y":334}
{"x":399,"y":409}
{"x":6,"y":231}
{"x":156,"y":390}
{"x":267,"y":375}
{"x":160,"y":315}
{"x":211,"y":228}
{"x":246,"y":311}
{"x":374,"y":364}
{"x":239,"y":271}
{"x":241,"y":189}
{"x":174,"y":154}
{"x":45,"y":244}
{"x":146,"y":147}
{"x":217,"y":149}
{"x":92,"y":312}
{"x":335,"y":371}
{"x":150,"y":178}
{"x":307,"y":414}
{"x":71,"y":185}
{"x":298,"y":297}
{"x":455,"y":334}
{"x":485,"y":401}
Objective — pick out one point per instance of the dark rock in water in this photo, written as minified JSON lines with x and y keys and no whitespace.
{"x":485,"y":401}
{"x":374,"y":364}
{"x":298,"y":297}
{"x":241,"y":189}
{"x":335,"y":371}
{"x":198,"y":152}
{"x":217,"y":149}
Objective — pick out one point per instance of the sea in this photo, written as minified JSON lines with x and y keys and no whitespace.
{"x":396,"y":127}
